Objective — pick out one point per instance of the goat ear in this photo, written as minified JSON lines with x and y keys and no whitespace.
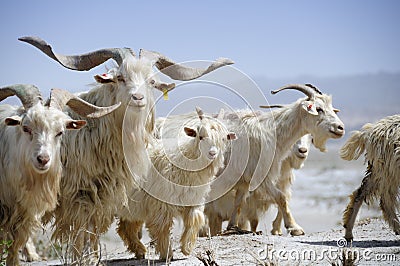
{"x":104,"y":78}
{"x":75,"y":124}
{"x":231,"y":136}
{"x":309,"y":106}
{"x":13,"y":121}
{"x":190,"y":132}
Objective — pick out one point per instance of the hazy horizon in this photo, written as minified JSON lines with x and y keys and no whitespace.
{"x":347,"y":48}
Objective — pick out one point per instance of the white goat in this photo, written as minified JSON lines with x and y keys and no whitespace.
{"x":267,"y":138}
{"x":258,"y":202}
{"x":109,"y":158}
{"x":381,"y":144}
{"x":177,"y":185}
{"x":295,"y":160}
{"x":30,"y":163}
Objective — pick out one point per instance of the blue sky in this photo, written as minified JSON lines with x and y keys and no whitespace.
{"x":273,"y":39}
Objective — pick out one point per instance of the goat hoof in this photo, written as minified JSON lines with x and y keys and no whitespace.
{"x":33,"y":258}
{"x":186,"y":251}
{"x":276,"y":232}
{"x":232,"y":227}
{"x":234,"y":230}
{"x":139,"y":256}
{"x":297,"y":232}
{"x":348,"y":238}
{"x":348,"y":235}
{"x":186,"y":248}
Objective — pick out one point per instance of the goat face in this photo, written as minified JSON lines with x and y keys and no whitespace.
{"x":132,"y":80}
{"x":212,"y":138}
{"x":300,"y":150}
{"x":207,"y":145}
{"x":41,"y":129}
{"x":322,"y":121}
{"x":302,"y":146}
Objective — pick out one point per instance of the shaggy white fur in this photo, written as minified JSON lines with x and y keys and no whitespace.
{"x":266,"y":139}
{"x":93,"y":193}
{"x":111,"y":152}
{"x":381,"y":144}
{"x":177,"y":186}
{"x":30,"y":169}
{"x":258,"y":202}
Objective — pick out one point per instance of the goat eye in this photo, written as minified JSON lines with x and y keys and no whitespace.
{"x":27,"y":130}
{"x":59,"y":134}
{"x":200,"y":137}
{"x":320,"y":110}
{"x":120,"y":78}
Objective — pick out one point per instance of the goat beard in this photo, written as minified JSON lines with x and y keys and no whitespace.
{"x":320,"y":143}
{"x":135,"y":141}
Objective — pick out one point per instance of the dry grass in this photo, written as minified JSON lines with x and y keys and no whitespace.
{"x":347,"y":258}
{"x":209,"y":260}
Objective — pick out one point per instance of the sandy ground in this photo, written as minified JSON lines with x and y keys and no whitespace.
{"x":374,"y":244}
{"x":320,"y":194}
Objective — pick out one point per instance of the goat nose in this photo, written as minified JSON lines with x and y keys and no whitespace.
{"x":43,"y":159}
{"x":339,"y":128}
{"x":303,"y":150}
{"x":212,"y":153}
{"x":137,"y":96}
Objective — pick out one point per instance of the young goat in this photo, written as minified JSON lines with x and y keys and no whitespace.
{"x":258,"y":202}
{"x":381,"y":144}
{"x":177,"y":186}
{"x":30,"y":163}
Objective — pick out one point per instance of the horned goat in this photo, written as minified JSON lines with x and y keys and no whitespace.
{"x":30,"y":163}
{"x":108,"y":159}
{"x":258,"y":203}
{"x":177,"y":185}
{"x":267,"y":139}
{"x":381,"y":144}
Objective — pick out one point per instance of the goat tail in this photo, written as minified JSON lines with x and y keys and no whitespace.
{"x":355,"y":145}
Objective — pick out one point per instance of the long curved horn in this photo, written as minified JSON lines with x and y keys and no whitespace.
{"x":272,"y":106}
{"x":179,"y":72}
{"x":310,"y":92}
{"x":314,"y":88}
{"x":59,"y":98}
{"x":27,"y":93}
{"x":82,"y":62}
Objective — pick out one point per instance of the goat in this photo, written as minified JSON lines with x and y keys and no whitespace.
{"x":111,"y":153}
{"x":177,"y":185}
{"x":258,"y":202}
{"x":381,"y":144}
{"x":266,"y":139}
{"x":30,"y":163}
{"x":295,"y":160}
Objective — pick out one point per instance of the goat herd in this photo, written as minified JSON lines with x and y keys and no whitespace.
{"x":119,"y":162}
